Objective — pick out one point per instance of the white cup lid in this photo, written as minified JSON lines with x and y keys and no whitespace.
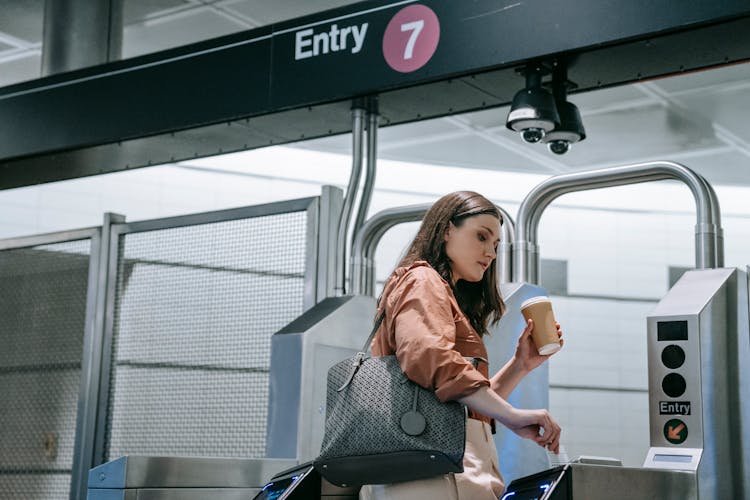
{"x":534,"y":300}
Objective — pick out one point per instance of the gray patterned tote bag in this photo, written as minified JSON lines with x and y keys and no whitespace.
{"x":383,"y":428}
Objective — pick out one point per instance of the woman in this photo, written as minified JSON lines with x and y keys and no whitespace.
{"x":438,"y":304}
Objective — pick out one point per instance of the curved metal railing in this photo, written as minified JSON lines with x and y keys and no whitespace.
{"x":709,"y":248}
{"x":367,"y":238}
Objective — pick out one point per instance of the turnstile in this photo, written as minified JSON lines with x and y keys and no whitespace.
{"x":580,"y":481}
{"x":699,"y":403}
{"x":698,"y":357}
{"x":180,"y":478}
{"x":699,"y":382}
{"x":301,"y":354}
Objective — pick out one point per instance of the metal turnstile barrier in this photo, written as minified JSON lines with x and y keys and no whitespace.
{"x":698,"y":361}
{"x":699,"y":403}
{"x":301,"y":354}
{"x":181,"y":478}
{"x":699,"y":382}
{"x":582,"y":481}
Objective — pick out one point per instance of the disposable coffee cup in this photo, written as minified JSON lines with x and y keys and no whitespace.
{"x":544,"y":333}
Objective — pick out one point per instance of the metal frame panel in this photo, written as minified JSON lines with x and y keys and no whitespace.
{"x":91,"y":341}
{"x":108,"y":286}
{"x":84,"y":458}
{"x":312,"y":228}
{"x":105,"y":321}
{"x":274,"y":208}
{"x":48,"y":238}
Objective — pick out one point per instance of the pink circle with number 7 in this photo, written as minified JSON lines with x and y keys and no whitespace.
{"x":411,"y":38}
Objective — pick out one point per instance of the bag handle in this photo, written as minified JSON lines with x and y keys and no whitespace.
{"x":360,"y":356}
{"x":366,"y":347}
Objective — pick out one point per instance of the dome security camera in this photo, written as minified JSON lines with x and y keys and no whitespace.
{"x":570,"y":127}
{"x":569,"y":131}
{"x":533,"y":112}
{"x":559,"y":147}
{"x":532,"y":134}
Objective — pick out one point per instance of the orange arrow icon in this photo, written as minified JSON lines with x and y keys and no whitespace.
{"x":674,"y":432}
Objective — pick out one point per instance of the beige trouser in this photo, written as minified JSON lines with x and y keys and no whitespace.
{"x":480,"y":480}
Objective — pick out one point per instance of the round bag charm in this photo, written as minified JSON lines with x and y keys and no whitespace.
{"x":413,"y":423}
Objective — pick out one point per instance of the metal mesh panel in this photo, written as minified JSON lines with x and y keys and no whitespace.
{"x":195,"y":309}
{"x":42,"y":317}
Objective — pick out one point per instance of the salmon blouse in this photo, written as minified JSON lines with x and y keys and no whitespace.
{"x":430,"y":335}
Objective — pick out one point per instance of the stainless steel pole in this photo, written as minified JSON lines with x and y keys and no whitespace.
{"x":358,"y":114}
{"x":371,"y":166}
{"x":81,"y":33}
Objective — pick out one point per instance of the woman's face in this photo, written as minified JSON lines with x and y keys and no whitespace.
{"x":472,"y":247}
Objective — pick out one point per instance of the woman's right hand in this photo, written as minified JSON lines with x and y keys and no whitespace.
{"x":537,"y":425}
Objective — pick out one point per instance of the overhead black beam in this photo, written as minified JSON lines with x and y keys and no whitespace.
{"x":268,"y":86}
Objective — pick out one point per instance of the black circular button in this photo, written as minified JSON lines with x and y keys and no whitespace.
{"x":673,"y":356}
{"x":673,"y":385}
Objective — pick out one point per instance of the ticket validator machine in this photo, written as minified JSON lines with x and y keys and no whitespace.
{"x":699,"y":402}
{"x":698,"y":357}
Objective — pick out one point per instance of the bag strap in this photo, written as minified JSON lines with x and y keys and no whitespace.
{"x":366,"y":347}
{"x":473,"y":359}
{"x":360,"y":357}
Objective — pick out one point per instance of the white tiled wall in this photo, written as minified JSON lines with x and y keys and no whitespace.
{"x":618,"y":244}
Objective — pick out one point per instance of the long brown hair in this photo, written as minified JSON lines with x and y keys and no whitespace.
{"x":480,"y":301}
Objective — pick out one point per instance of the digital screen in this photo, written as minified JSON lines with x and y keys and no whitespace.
{"x":671,"y":330}
{"x":530,"y":493}
{"x":274,"y":489}
{"x":533,"y":487}
{"x":686,"y":459}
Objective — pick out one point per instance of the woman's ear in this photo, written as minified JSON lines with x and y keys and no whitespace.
{"x":448,"y":230}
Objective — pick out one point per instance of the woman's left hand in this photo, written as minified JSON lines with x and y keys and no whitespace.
{"x":526,"y":351}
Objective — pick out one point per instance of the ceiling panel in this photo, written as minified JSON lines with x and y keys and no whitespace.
{"x":730,"y":168}
{"x":167,"y":32}
{"x":728,"y":109}
{"x":22,"y":19}
{"x":639,"y":132}
{"x":604,"y":99}
{"x":268,"y":12}
{"x":136,"y":11}
{"x":469,"y":151}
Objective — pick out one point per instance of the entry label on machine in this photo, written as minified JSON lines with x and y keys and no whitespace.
{"x":674,"y":407}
